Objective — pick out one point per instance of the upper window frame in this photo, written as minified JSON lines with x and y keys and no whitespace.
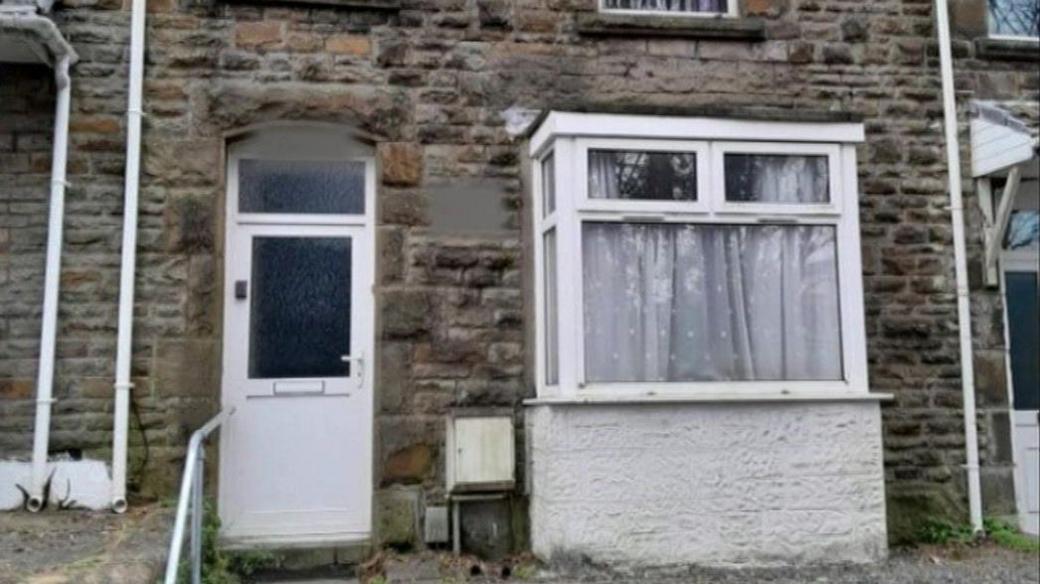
{"x":299,"y":143}
{"x":570,"y":136}
{"x":1004,"y":37}
{"x":587,"y":203}
{"x":732,"y":11}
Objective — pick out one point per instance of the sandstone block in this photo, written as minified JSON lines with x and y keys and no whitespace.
{"x":410,"y":464}
{"x":266,"y":33}
{"x":16,"y":388}
{"x":349,"y":44}
{"x":402,"y":163}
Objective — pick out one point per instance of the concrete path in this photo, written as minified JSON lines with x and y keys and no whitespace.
{"x":984,"y":564}
{"x":72,"y":547}
{"x":83,"y":547}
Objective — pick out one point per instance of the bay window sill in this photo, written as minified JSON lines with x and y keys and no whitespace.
{"x":671,"y":398}
{"x":663,"y":25}
{"x":999,"y":49}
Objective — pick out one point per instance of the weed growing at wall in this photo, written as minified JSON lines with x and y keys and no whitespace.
{"x":940,"y":532}
{"x":220,"y":566}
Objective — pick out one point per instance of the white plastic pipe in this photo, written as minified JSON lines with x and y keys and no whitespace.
{"x":953,"y":163}
{"x":128,"y":262}
{"x":51,"y":278}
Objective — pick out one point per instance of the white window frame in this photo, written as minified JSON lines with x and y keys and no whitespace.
{"x":363,"y":219}
{"x":1005,"y":37}
{"x":569,"y":136}
{"x":732,"y":11}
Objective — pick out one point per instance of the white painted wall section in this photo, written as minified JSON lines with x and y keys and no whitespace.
{"x":733,"y":484}
{"x":74,"y":484}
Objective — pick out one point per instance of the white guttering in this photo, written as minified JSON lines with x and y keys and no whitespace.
{"x":128,"y":262}
{"x":52,"y":276}
{"x":953,"y":163}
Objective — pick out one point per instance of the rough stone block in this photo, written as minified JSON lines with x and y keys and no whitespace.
{"x":187,"y":368}
{"x":969,"y":18}
{"x":910,"y":507}
{"x":998,"y":491}
{"x":398,"y":514}
{"x":1000,"y":437}
{"x":405,"y":313}
{"x":991,"y":377}
{"x":190,"y":224}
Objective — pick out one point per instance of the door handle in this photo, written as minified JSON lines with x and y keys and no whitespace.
{"x":241,"y":289}
{"x":358,"y":366}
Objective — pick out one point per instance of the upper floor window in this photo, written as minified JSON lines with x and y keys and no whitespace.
{"x":682,"y":7}
{"x":1014,"y":18}
{"x":687,"y":254}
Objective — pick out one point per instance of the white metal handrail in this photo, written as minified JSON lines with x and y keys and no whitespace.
{"x":191,"y":492}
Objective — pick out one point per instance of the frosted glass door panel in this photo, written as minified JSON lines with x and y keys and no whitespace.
{"x":299,"y":311}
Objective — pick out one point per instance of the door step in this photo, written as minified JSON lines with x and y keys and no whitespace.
{"x":310,"y":564}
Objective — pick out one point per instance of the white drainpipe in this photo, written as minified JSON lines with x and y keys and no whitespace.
{"x":953,"y":162}
{"x":52,"y":276}
{"x":127,"y":266}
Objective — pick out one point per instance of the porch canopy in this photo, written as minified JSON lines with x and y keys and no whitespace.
{"x":1004,"y":151}
{"x":28,"y":37}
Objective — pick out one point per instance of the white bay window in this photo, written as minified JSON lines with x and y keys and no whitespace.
{"x":696,"y":256}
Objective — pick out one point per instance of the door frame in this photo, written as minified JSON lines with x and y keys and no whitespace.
{"x":1022,"y":260}
{"x":270,"y":143}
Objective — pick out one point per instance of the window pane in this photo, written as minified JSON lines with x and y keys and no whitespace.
{"x":1023,"y":230}
{"x":299,"y":313}
{"x":777,"y":178}
{"x":552,"y":346}
{"x":297,"y":186}
{"x":710,"y":303}
{"x":668,"y":5}
{"x":1023,"y":316}
{"x":630,"y":174}
{"x":548,"y":185}
{"x":1014,"y":17}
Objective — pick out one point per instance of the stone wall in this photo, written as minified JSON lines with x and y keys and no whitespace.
{"x":26,"y":121}
{"x":430,"y":83}
{"x":728,"y":484}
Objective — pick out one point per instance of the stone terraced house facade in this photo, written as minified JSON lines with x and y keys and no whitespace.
{"x":482,"y":152}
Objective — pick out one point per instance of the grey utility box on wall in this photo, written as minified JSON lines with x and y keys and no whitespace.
{"x":480,"y":455}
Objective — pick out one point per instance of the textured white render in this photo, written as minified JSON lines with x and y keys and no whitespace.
{"x":708,"y":484}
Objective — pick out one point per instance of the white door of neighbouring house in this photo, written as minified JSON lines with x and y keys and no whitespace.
{"x":296,"y":456}
{"x":1022,"y":302}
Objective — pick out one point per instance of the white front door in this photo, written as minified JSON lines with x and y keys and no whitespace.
{"x":296,"y":455}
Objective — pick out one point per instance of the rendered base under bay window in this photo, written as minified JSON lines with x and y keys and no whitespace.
{"x":714,"y":484}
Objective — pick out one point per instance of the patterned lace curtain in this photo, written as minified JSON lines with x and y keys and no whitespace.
{"x":673,"y":302}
